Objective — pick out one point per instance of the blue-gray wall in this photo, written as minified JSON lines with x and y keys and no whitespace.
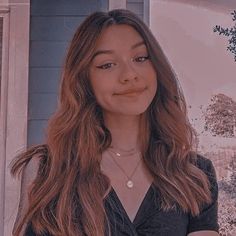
{"x":52,"y":25}
{"x":136,"y":6}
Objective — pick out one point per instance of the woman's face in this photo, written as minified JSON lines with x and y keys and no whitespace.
{"x":121,"y":62}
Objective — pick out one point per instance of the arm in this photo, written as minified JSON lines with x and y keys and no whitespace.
{"x":28,"y":175}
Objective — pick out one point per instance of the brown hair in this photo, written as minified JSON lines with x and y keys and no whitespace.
{"x":70,"y":187}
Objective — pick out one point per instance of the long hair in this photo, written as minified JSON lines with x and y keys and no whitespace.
{"x":70,"y":187}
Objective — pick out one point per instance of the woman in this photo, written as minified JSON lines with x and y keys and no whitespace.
{"x":119,"y":154}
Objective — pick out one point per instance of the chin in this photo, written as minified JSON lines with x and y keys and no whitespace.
{"x":128,"y":110}
{"x":133,"y":112}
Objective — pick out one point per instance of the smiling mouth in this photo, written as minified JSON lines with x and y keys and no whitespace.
{"x":131,"y":94}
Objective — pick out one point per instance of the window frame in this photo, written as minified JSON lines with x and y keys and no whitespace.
{"x":4,"y":14}
{"x":14,"y":104}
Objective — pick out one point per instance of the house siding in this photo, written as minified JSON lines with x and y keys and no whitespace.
{"x":52,"y":24}
{"x":136,"y":6}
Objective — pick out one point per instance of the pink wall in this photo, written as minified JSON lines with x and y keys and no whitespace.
{"x":184,"y":29}
{"x":198,"y":55}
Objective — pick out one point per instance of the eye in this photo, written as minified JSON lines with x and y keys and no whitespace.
{"x":141,"y":58}
{"x":106,"y":66}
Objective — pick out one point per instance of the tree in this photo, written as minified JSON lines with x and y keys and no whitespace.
{"x":231,"y":33}
{"x":220,"y":116}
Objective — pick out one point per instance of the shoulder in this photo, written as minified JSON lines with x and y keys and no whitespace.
{"x":29,"y":174}
{"x":205,"y":165}
{"x":202,"y":161}
{"x":36,"y":157}
{"x":207,"y":220}
{"x":31,"y":169}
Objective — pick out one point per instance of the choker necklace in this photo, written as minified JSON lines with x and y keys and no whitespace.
{"x":129,"y":182}
{"x":122,"y":153}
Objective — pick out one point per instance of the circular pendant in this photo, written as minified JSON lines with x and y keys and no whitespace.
{"x":130,"y":184}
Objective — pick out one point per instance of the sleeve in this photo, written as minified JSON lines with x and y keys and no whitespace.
{"x":208,"y":217}
{"x":29,"y":231}
{"x":29,"y":174}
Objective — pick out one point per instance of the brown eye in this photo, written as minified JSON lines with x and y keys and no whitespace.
{"x":106,"y":66}
{"x":141,"y":59}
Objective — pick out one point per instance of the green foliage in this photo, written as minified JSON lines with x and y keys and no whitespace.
{"x":231,"y":33}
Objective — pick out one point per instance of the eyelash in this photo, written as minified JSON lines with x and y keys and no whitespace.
{"x":143,"y":57}
{"x":105,"y":66}
{"x":137,"y":59}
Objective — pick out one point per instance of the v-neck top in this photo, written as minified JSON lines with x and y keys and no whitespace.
{"x":151,"y":220}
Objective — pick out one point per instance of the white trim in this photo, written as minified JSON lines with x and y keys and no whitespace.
{"x":4,"y":8}
{"x":13,"y":4}
{"x":16,"y":100}
{"x":3,"y":113}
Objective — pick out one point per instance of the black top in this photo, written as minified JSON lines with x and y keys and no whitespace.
{"x":150,"y":220}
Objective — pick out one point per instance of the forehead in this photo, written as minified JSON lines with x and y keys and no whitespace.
{"x":116,"y":36}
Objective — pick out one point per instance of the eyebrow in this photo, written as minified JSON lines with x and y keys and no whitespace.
{"x":111,"y":51}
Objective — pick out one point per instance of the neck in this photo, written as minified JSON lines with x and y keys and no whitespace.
{"x":124,"y":131}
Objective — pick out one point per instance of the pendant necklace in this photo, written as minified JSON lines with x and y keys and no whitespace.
{"x":129,"y":182}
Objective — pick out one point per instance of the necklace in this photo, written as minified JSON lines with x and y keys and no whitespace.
{"x":129,"y":182}
{"x":124,"y":152}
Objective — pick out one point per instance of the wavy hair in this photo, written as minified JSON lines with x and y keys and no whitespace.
{"x":70,"y":187}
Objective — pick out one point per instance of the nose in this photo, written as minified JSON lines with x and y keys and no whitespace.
{"x":128,"y":73}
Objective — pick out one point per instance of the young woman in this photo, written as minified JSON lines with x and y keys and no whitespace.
{"x":118,"y":158}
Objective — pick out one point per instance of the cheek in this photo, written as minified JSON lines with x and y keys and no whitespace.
{"x":148,"y":72}
{"x":153,"y":88}
{"x":155,"y":83}
{"x":96,"y":83}
{"x":152,"y":79}
{"x":102,"y":91}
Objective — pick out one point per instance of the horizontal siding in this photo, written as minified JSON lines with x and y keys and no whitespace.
{"x":37,"y":131}
{"x":135,"y":6}
{"x":52,"y":25}
{"x":63,"y":28}
{"x":42,"y":105}
{"x":63,"y":7}
{"x":44,"y":80}
{"x":47,"y":53}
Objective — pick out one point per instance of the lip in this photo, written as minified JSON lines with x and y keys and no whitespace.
{"x":131,"y":92}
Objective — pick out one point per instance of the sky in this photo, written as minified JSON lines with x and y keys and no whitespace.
{"x":216,"y":5}
{"x":196,"y":53}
